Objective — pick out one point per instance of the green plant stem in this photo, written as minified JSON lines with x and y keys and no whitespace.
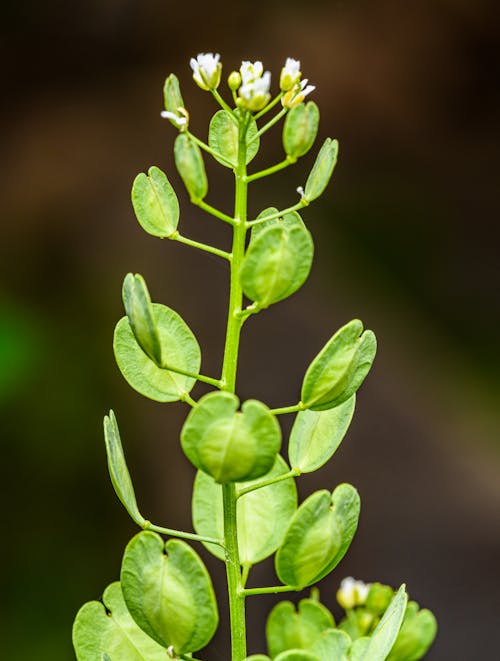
{"x":171,"y":532}
{"x":288,"y":409}
{"x":224,"y":105}
{"x":201,"y":246}
{"x":265,"y":483}
{"x":300,"y":205}
{"x":186,"y":397}
{"x":269,"y":106}
{"x":272,"y":590}
{"x":199,"y":377}
{"x":270,"y":124}
{"x":289,"y":160}
{"x":229,"y":370}
{"x":208,"y":149}
{"x":213,"y":211}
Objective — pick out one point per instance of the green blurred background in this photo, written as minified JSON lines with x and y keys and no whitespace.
{"x":406,"y":239}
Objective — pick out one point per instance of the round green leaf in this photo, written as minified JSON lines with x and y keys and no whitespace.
{"x":155,"y":203}
{"x":278,"y":261}
{"x":316,"y":435}
{"x":107,"y":631}
{"x":179,"y":350}
{"x":415,"y":636}
{"x":223,"y":138}
{"x":386,"y":631}
{"x":322,"y":170}
{"x":229,"y":445}
{"x":318,"y":536}
{"x":332,"y":644}
{"x":263,"y":515}
{"x":300,"y":129}
{"x":287,"y":628}
{"x":358,"y":649}
{"x":140,"y":315}
{"x":190,"y":165}
{"x":340,"y":367}
{"x":118,"y":471}
{"x":168,"y":592}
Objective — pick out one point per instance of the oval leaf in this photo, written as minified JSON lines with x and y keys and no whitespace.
{"x":322,"y":170}
{"x":316,"y":435}
{"x":223,"y":139}
{"x":229,"y":445}
{"x":278,"y":261}
{"x":287,"y":628}
{"x":340,"y":367}
{"x":118,"y":471}
{"x":333,"y":644}
{"x":155,"y":203}
{"x":168,"y":592}
{"x":179,"y":349}
{"x":139,"y":309}
{"x":386,"y":631}
{"x":263,"y":515}
{"x":106,"y":630}
{"x":415,"y":636}
{"x":297,"y":655}
{"x":318,"y":536}
{"x":190,"y":165}
{"x":300,"y":129}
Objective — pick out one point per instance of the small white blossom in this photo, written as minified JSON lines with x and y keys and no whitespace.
{"x":254,"y":91}
{"x":352,"y":593}
{"x":297,"y":94}
{"x":300,"y":191}
{"x":206,"y":70}
{"x":290,"y":74}
{"x":179,"y":119}
{"x":250,"y":71}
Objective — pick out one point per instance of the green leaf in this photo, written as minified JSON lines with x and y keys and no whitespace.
{"x":300,"y":129}
{"x":379,"y":597}
{"x":316,"y":435}
{"x":322,"y":170}
{"x":223,"y":138}
{"x":229,"y":445}
{"x":358,"y":649}
{"x":297,"y":655}
{"x":386,"y":631}
{"x":340,"y":367}
{"x":155,"y":203}
{"x":415,"y":636}
{"x":290,"y":629}
{"x":168,"y":592}
{"x":263,"y":515}
{"x":179,"y":350}
{"x":190,"y":165}
{"x":278,"y":260}
{"x":172,"y":96}
{"x":140,"y":315}
{"x":106,"y":630}
{"x":318,"y":536}
{"x":118,"y":471}
{"x":257,"y":657}
{"x":332,"y":645}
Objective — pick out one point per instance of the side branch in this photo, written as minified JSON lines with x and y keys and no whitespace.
{"x":247,"y":592}
{"x":300,"y":205}
{"x":214,"y":212}
{"x":289,"y":160}
{"x":201,"y":246}
{"x":171,"y":532}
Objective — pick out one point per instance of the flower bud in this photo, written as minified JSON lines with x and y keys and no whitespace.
{"x":206,"y":70}
{"x":352,"y":593}
{"x":234,"y":80}
{"x":290,"y":74}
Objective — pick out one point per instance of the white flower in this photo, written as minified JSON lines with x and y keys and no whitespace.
{"x":290,"y":74}
{"x":206,"y":70}
{"x":352,"y":593}
{"x":255,"y":84}
{"x":300,"y":191}
{"x":297,"y":94}
{"x":179,"y":119}
{"x":250,"y":71}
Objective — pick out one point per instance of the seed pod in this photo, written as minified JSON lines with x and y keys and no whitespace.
{"x":191,"y":167}
{"x":141,"y":318}
{"x":300,"y":129}
{"x":155,"y":203}
{"x":172,"y":95}
{"x":322,"y":170}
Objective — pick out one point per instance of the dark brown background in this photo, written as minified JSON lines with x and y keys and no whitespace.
{"x":406,"y":238}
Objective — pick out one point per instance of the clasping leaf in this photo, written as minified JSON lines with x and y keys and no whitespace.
{"x":168,"y":592}
{"x":118,"y":471}
{"x":340,"y":367}
{"x":155,"y":203}
{"x":231,"y":446}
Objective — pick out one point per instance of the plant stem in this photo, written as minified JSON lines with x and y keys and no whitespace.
{"x":213,"y":211}
{"x":265,"y":483}
{"x":272,"y":590}
{"x":199,"y":377}
{"x":289,"y":160}
{"x":270,"y":123}
{"x":171,"y":532}
{"x":208,"y":149}
{"x":201,"y":246}
{"x":303,"y":203}
{"x":229,"y":369}
{"x":288,"y":409}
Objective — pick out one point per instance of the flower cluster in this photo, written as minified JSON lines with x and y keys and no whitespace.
{"x":352,"y":593}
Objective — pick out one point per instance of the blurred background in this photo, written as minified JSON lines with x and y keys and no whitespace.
{"x":406,"y":239}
